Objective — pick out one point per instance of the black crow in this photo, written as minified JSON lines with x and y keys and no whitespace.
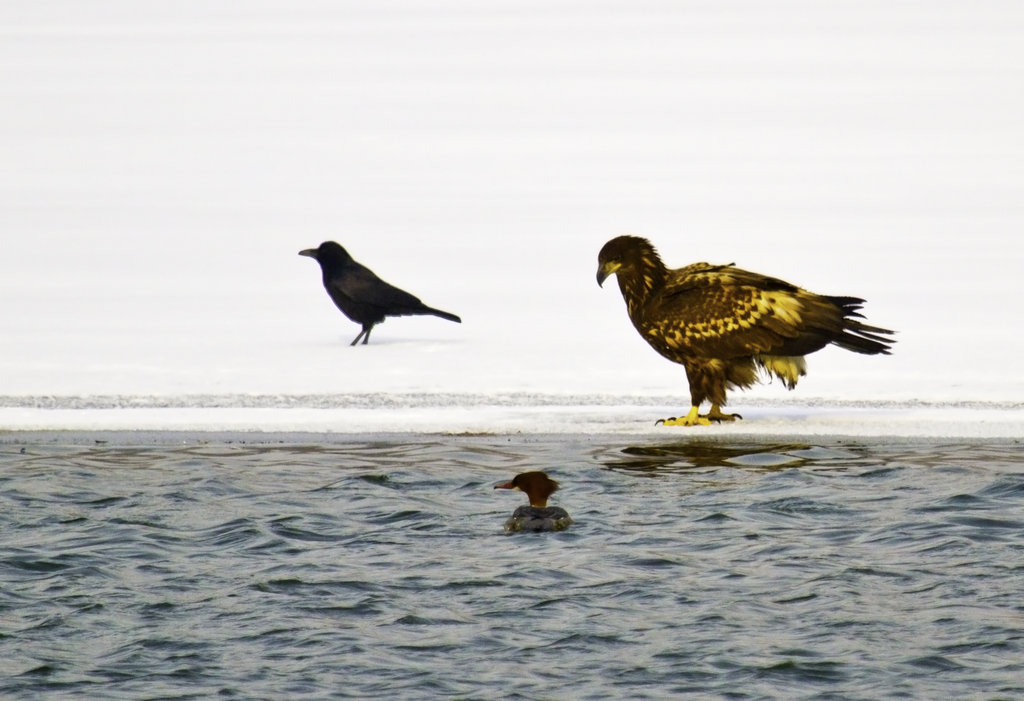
{"x":362,"y":296}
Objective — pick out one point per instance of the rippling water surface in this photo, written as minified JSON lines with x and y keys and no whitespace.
{"x":197,"y":568}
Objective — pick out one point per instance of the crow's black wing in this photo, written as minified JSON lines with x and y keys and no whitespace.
{"x":360,"y":285}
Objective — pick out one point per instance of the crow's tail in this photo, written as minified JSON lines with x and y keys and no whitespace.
{"x":443,"y":315}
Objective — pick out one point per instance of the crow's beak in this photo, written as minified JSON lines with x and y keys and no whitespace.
{"x":311,"y":252}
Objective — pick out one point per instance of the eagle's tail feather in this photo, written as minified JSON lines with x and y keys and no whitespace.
{"x":857,"y":336}
{"x":847,"y":304}
{"x":861,"y":338}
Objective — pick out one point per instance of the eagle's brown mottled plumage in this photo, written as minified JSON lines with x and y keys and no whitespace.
{"x":723,"y":324}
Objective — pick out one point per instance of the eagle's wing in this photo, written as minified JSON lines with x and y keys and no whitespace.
{"x":720,"y":311}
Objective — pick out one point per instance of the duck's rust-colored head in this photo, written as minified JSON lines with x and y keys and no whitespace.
{"x":537,"y":485}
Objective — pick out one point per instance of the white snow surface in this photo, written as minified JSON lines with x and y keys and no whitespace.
{"x":165,"y":162}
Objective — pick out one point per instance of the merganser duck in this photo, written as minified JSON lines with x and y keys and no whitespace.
{"x":538,"y":516}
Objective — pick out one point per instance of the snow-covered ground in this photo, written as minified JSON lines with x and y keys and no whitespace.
{"x":163,"y":163}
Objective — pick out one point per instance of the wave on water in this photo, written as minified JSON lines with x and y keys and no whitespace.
{"x":694,"y":570}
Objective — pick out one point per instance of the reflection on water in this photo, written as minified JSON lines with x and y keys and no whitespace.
{"x":198,"y":568}
{"x":687,"y":455}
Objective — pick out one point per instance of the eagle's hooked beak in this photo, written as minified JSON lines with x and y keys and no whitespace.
{"x":606,"y":269}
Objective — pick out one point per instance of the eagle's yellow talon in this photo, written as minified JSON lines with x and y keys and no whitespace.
{"x":699,"y":421}
{"x":716,"y":414}
{"x":691,"y":419}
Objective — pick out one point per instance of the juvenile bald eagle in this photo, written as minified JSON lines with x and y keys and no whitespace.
{"x":724,"y":324}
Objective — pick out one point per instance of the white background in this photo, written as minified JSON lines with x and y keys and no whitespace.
{"x":163,"y":163}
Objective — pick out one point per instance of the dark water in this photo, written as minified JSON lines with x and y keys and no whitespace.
{"x":378,"y":569}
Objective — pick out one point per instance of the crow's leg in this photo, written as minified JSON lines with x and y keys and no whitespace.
{"x":365,"y":332}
